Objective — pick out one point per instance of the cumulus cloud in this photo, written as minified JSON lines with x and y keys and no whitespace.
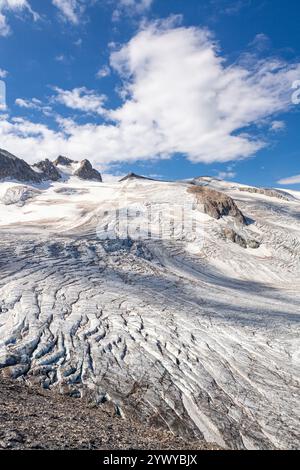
{"x":15,"y":6}
{"x":3,"y":73}
{"x":179,"y":96}
{"x":183,"y":94}
{"x":103,"y":72}
{"x":81,"y":99}
{"x":290,"y":180}
{"x":278,"y":126}
{"x":33,"y":104}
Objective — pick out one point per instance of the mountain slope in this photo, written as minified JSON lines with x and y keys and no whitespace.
{"x":45,"y":420}
{"x":198,"y":335}
{"x":14,"y":168}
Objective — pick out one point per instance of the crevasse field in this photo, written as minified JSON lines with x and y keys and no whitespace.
{"x":200,"y":336}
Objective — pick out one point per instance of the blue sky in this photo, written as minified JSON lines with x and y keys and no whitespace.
{"x":166,"y":88}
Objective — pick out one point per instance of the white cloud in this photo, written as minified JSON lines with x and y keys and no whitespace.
{"x":290,"y":181}
{"x":3,"y":73}
{"x":15,"y":6}
{"x":34,"y":104}
{"x":24,"y":103}
{"x":226,"y":175}
{"x":278,"y":126}
{"x":81,"y":99}
{"x":189,"y":101}
{"x":180,"y":96}
{"x":131,"y":7}
{"x":138,"y":6}
{"x":70,"y":10}
{"x":261,"y":42}
{"x":60,"y":58}
{"x":78,"y":43}
{"x":103,"y":72}
{"x":4,"y":28}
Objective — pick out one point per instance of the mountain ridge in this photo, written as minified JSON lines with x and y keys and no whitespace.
{"x":12,"y":167}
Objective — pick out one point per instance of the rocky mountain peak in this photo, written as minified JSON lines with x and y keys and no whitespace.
{"x":132,"y":176}
{"x":87,"y":172}
{"x":15,"y":168}
{"x":64,"y":161}
{"x":47,"y":170}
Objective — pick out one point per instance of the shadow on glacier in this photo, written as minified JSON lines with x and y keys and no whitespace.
{"x":209,"y":292}
{"x":210,"y":303}
{"x":282,"y":208}
{"x":208,"y":281}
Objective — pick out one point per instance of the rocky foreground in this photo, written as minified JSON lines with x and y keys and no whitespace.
{"x":32,"y":418}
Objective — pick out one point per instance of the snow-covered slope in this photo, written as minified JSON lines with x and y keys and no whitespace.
{"x":200,"y":335}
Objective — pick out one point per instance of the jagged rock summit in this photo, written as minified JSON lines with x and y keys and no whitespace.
{"x":14,"y":168}
{"x":48,"y":170}
{"x":17,"y":169}
{"x":85,"y":171}
{"x":132,"y":176}
{"x":63,"y":161}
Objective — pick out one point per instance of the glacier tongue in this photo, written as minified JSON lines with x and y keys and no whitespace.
{"x":205,"y":342}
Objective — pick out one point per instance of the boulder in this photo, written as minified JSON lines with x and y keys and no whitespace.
{"x":234,"y":237}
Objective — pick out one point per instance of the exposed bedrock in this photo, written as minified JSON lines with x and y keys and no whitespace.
{"x":64,"y":161}
{"x":217,"y":204}
{"x":18,"y":195}
{"x":15,"y":168}
{"x":85,"y":171}
{"x":268,"y":192}
{"x":231,"y":235}
{"x":47,"y":170}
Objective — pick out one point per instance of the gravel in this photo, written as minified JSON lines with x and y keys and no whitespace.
{"x":33,"y":418}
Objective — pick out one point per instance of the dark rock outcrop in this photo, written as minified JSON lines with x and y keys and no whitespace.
{"x":47,"y":170}
{"x":132,"y":176}
{"x":64,"y":161}
{"x":87,"y":172}
{"x":269,"y":192}
{"x":18,"y":195}
{"x":15,"y":168}
{"x":234,"y":237}
{"x":217,"y":204}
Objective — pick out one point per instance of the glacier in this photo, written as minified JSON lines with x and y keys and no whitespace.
{"x":201,"y":339}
